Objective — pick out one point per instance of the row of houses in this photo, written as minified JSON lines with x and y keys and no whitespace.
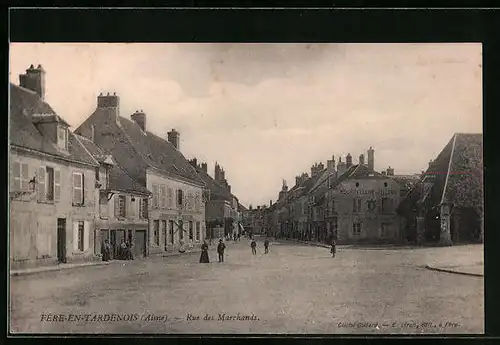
{"x":109,"y":179}
{"x":354,"y":203}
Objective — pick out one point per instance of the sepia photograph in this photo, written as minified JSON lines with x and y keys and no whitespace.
{"x":246,"y":188}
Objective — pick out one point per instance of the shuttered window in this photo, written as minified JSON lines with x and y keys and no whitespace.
{"x":163,"y":196}
{"x":197,"y":231}
{"x":57,"y":185}
{"x":132,"y":206}
{"x":155,"y":195}
{"x":78,"y":188}
{"x":170,"y":197}
{"x":40,"y":186}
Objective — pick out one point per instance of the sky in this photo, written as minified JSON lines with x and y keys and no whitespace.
{"x":267,"y":112}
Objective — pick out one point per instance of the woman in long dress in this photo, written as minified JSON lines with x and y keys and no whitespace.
{"x":204,"y":253}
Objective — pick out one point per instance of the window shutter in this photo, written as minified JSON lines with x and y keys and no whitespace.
{"x":25,"y":177}
{"x":75,"y":236}
{"x":84,"y":190}
{"x":57,"y":185}
{"x":86,"y":235}
{"x":41,"y":184}
{"x":16,"y":173}
{"x":117,"y":205}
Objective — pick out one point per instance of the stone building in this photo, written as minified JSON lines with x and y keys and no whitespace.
{"x":52,"y":182}
{"x":122,"y":213}
{"x":176,"y":208}
{"x":446,"y":205}
{"x":360,"y":206}
{"x":222,"y":213}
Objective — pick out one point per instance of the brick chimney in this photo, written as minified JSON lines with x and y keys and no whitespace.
{"x":348,"y":161}
{"x":330,"y":164}
{"x":204,"y":167}
{"x":173,"y":138}
{"x":140,"y":118}
{"x":341,"y":167}
{"x":108,"y":101}
{"x":371,"y":159}
{"x":390,"y":171}
{"x":361,"y":159}
{"x":34,"y":80}
{"x":217,"y":172}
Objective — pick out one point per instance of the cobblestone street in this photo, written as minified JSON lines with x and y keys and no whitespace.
{"x":293,"y":289}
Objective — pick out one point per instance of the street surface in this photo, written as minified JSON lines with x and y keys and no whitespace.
{"x":293,"y":289}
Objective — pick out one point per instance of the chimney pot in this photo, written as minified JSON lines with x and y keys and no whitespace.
{"x":140,"y":119}
{"x":33,"y":80}
{"x":31,"y":66}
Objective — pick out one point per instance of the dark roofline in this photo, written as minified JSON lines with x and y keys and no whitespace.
{"x":58,"y":157}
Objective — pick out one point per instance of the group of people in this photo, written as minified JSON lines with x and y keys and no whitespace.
{"x":221,"y":247}
{"x":124,"y":251}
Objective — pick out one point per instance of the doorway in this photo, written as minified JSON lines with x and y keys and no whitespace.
{"x":140,"y":243}
{"x":61,"y":240}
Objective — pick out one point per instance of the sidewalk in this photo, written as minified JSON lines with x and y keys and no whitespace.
{"x":26,"y":271}
{"x":466,"y":260}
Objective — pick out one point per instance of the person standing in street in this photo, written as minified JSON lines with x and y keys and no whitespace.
{"x":106,"y":251}
{"x":220,"y":250}
{"x":266,"y":246}
{"x":333,"y":249}
{"x":204,"y":253}
{"x":253,"y":244}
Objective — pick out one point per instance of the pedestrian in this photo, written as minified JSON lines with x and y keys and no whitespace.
{"x":220,"y":250}
{"x":333,"y":249}
{"x":130,"y":255}
{"x":182,"y":248}
{"x":123,"y":250}
{"x":253,"y":244}
{"x":204,"y":253}
{"x":266,"y":246}
{"x":106,"y":251}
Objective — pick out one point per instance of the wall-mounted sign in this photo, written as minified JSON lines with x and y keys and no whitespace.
{"x":362,"y":191}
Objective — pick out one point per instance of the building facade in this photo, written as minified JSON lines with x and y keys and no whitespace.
{"x":52,"y":182}
{"x":122,"y":212}
{"x":176,"y":210}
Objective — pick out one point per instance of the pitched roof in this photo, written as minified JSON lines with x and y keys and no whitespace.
{"x":158,"y":152}
{"x":137,"y":150}
{"x":456,"y":175}
{"x":119,"y":179}
{"x":24,"y":105}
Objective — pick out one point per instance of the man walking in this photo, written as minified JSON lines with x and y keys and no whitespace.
{"x":220,"y":250}
{"x":333,"y":249}
{"x":253,"y":244}
{"x":266,"y":246}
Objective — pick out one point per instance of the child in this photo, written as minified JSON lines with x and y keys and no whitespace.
{"x":333,"y":249}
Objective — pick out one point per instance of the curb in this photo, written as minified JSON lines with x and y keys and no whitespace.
{"x":453,"y":271}
{"x":15,"y":273}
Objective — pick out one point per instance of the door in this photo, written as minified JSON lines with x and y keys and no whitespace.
{"x":140,"y":243}
{"x":61,"y":240}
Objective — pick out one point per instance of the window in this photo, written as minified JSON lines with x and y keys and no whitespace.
{"x":180,"y":197}
{"x":57,"y":185}
{"x":198,"y":202}
{"x":156,"y":232}
{"x":78,"y":188}
{"x":356,"y":229}
{"x":198,"y":231}
{"x":50,"y":184}
{"x":122,"y":199}
{"x":143,"y":208}
{"x":132,"y":207}
{"x":333,"y":205}
{"x":155,"y":195}
{"x":386,"y":205}
{"x":163,"y":196}
{"x":385,"y":230}
{"x":62,"y":138}
{"x":81,"y":236}
{"x":190,"y":201}
{"x":190,"y":230}
{"x":356,"y":205}
{"x":171,"y":230}
{"x":170,"y":197}
{"x":21,"y":176}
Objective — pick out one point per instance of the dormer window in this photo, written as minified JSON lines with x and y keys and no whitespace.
{"x":62,"y":137}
